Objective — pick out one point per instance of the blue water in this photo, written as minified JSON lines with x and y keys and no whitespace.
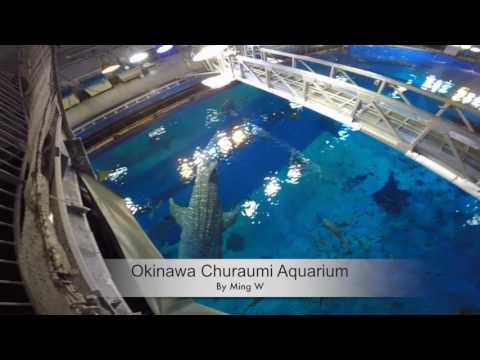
{"x":340,"y":172}
{"x":437,"y":73}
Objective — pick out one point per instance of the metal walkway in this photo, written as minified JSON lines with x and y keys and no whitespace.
{"x":449,"y":148}
{"x":13,"y":138}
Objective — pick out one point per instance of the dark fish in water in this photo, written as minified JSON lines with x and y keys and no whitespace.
{"x":390,"y":197}
{"x":354,"y":181}
{"x":332,"y":228}
{"x":320,"y":242}
{"x":203,"y":221}
{"x":228,"y":106}
{"x":169,"y":218}
{"x":296,"y":157}
{"x":467,"y":311}
{"x":360,"y":178}
{"x":254,"y":303}
{"x":235,"y":242}
{"x":397,"y":305}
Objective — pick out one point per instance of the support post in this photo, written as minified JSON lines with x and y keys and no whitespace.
{"x":305,"y":89}
{"x":381,"y":87}
{"x":358,"y":103}
{"x":386,"y":120}
{"x":332,"y":71}
{"x":442,"y":109}
{"x":465,"y":120}
{"x":419,"y":138}
{"x":456,"y":154}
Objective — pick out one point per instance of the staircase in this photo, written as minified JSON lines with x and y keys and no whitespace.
{"x":13,"y":138}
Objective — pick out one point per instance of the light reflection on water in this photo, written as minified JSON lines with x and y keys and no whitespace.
{"x":430,"y":72}
{"x":219,"y":147}
{"x":250,"y":210}
{"x":272,"y":187}
{"x":157,"y":133}
{"x":294,"y":173}
{"x":132,"y":206}
{"x":116,"y":175}
{"x":327,"y":178}
{"x":213,"y":116}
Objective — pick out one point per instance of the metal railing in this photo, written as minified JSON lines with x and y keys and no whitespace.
{"x":129,"y":104}
{"x":452,"y":149}
{"x":383,"y":83}
{"x":56,"y":234}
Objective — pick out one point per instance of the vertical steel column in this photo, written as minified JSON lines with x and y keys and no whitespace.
{"x":332,"y":72}
{"x":465,"y":120}
{"x":457,"y":155}
{"x":381,"y":87}
{"x":305,"y":89}
{"x":267,"y":76}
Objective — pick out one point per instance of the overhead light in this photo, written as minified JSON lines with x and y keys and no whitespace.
{"x":109,"y":68}
{"x":138,"y":57}
{"x":475,"y":49}
{"x":208,"y":52}
{"x":164,"y":48}
{"x":465,"y":47}
{"x":218,"y":81}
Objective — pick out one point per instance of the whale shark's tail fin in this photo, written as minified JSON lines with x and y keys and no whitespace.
{"x":179,"y":213}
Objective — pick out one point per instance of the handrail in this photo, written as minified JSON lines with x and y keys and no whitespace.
{"x":372,"y":75}
{"x":436,"y":123}
{"x":446,"y":147}
{"x":126,"y":105}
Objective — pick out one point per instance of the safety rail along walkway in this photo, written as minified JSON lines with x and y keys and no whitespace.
{"x":450,"y":149}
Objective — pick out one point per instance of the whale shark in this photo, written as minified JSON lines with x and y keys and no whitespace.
{"x":203,"y":221}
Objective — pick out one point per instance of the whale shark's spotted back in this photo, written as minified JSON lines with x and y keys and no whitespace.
{"x":203,"y":221}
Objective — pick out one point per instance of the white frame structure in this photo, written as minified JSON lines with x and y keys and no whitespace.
{"x":450,"y":149}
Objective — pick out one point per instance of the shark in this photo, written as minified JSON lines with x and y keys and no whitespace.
{"x":204,"y":220}
{"x":335,"y":230}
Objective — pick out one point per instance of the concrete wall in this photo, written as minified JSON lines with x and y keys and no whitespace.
{"x":168,"y":70}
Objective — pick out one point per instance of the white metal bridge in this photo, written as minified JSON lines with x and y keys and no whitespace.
{"x":449,"y":148}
